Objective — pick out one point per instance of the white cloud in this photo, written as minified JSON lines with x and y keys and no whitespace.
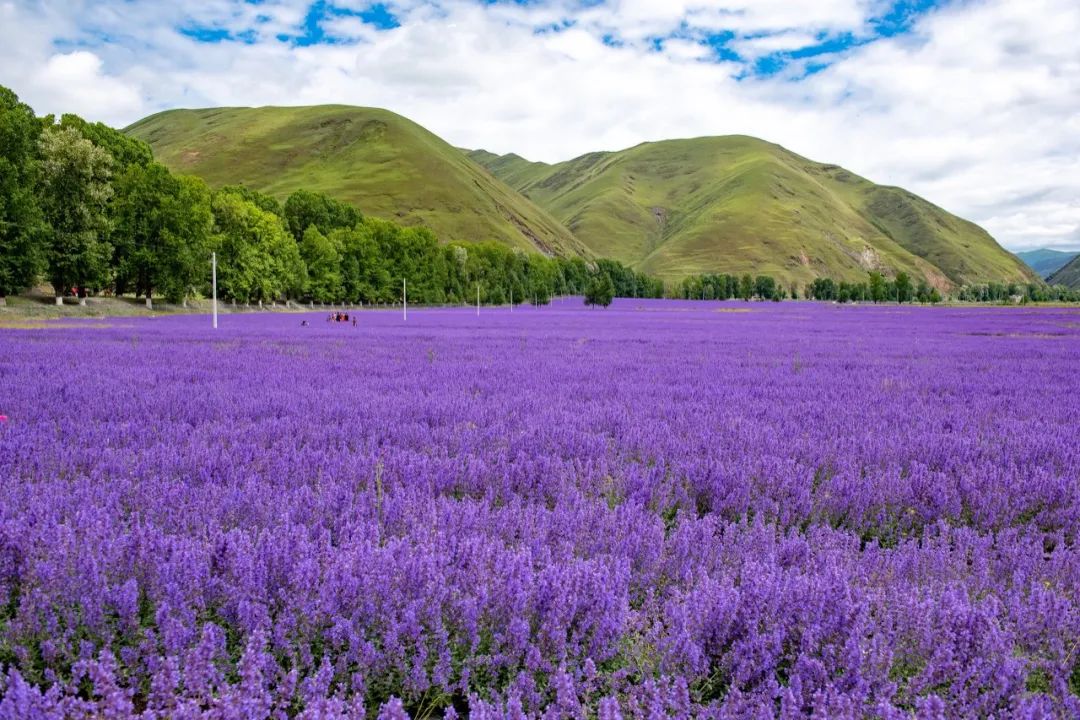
{"x":753,"y":47}
{"x":978,"y":109}
{"x":75,"y":80}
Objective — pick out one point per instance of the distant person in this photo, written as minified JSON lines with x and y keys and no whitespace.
{"x":354,"y":322}
{"x":303,"y":323}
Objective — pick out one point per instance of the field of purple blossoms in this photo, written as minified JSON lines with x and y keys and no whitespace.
{"x":662,"y":509}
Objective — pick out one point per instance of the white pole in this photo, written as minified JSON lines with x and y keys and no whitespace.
{"x":404,"y":301}
{"x":511,"y":299}
{"x":213,"y":264}
{"x":477,"y":299}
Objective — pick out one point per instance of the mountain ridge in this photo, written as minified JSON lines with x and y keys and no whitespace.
{"x":1046,"y":261}
{"x":380,"y":161}
{"x":1069,"y":275}
{"x":670,"y":208}
{"x":888,"y":228}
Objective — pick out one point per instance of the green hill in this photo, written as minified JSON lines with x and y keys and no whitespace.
{"x":739,"y":204}
{"x":725,"y":204}
{"x":386,"y":165}
{"x":1045,"y":261}
{"x":1068,"y":276}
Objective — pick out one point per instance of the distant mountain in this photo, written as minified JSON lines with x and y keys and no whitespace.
{"x":739,"y":204}
{"x":1046,"y":262}
{"x":386,"y":165}
{"x":1068,"y":276}
{"x":674,"y":208}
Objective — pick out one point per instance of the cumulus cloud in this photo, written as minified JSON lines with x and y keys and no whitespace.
{"x":76,"y":80}
{"x":976,"y":107}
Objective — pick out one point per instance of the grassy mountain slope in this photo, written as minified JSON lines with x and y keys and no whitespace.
{"x":739,"y":204}
{"x":386,"y":165}
{"x":1068,"y":275}
{"x":1045,"y":261}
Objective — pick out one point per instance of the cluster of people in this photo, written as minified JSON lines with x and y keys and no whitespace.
{"x":334,"y":317}
{"x":340,"y":317}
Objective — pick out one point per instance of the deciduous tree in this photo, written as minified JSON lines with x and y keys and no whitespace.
{"x":601,"y":290}
{"x":74,"y":191}
{"x":20,"y":218}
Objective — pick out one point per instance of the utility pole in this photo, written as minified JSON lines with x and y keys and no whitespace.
{"x":477,"y":299}
{"x":404,"y":301}
{"x":511,"y":299}
{"x":213,"y":271}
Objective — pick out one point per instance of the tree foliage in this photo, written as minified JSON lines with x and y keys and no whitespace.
{"x":124,"y":149}
{"x":162,"y":232}
{"x":322,"y":257}
{"x":269,"y":203}
{"x":20,"y":217}
{"x":304,"y":209}
{"x":74,"y":192}
{"x":601,"y":290}
{"x":258,"y":260}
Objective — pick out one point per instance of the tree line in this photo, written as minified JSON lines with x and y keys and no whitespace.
{"x":876,"y":288}
{"x":88,"y":209}
{"x":1024,"y":292}
{"x":722,"y":286}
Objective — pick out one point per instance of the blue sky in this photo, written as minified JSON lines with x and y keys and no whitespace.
{"x":974,"y":104}
{"x":810,"y":52}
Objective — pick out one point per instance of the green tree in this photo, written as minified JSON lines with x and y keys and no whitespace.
{"x":765,"y":287}
{"x":363,"y":270}
{"x":162,"y":229}
{"x":903,"y":287}
{"x":188,"y":239}
{"x":257,"y":257}
{"x":261,"y":200}
{"x":601,"y":290}
{"x":124,"y":149}
{"x":20,"y":218}
{"x":305,"y":208}
{"x":746,"y":287}
{"x":73,"y":192}
{"x":575,"y":275}
{"x":878,"y":289}
{"x":322,"y":256}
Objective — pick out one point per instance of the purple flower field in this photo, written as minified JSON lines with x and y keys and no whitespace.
{"x":662,"y":509}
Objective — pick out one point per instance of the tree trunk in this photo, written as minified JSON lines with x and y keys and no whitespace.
{"x":149,"y":302}
{"x":260,"y":305}
{"x":184,"y":302}
{"x":59,"y":299}
{"x":82,"y":300}
{"x":3,"y":301}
